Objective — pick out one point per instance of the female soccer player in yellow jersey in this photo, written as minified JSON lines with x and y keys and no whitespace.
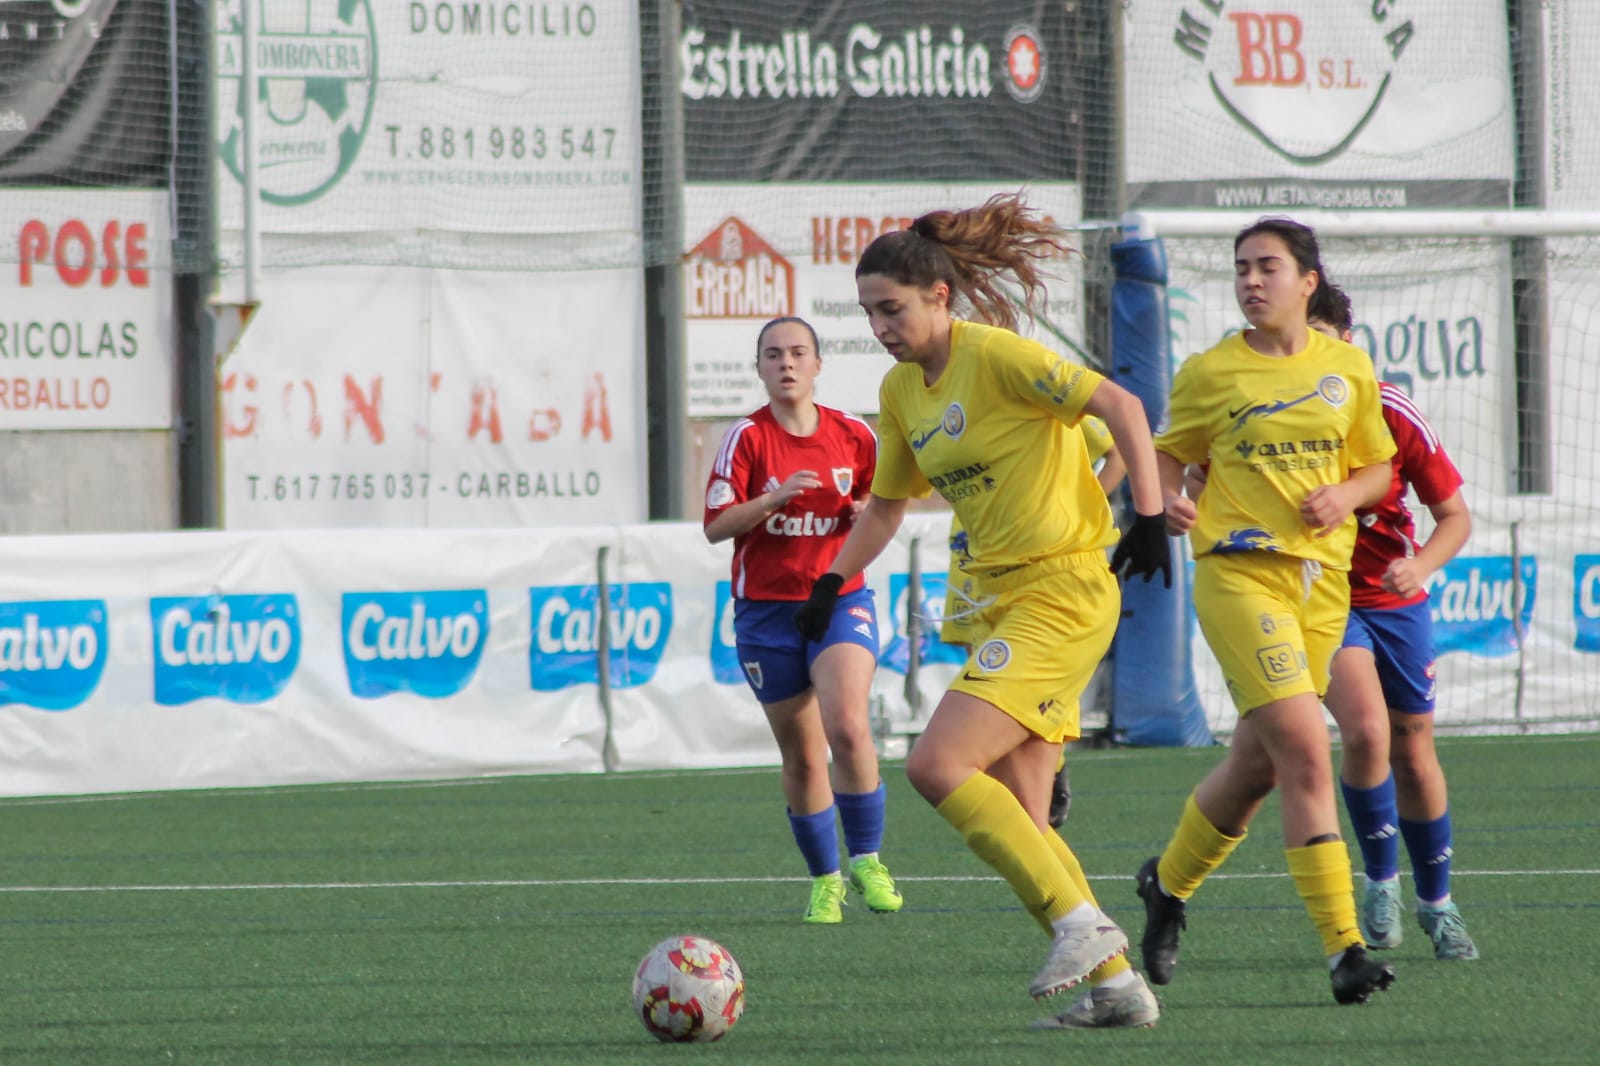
{"x":960,"y":607}
{"x":985,"y":417}
{"x":1292,"y":426}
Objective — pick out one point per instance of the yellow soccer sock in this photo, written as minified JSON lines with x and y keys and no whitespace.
{"x":1074,"y":869}
{"x":1196,"y":849}
{"x":1321,"y":875}
{"x":999,"y":832}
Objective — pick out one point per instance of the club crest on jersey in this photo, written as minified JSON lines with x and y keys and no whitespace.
{"x":1333,"y":390}
{"x":753,"y":672}
{"x":843,"y":478}
{"x":993,"y":656}
{"x":720,"y":494}
{"x":955,"y":421}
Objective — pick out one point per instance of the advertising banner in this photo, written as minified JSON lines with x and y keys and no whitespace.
{"x":465,"y":118}
{"x":1318,"y":103}
{"x":882,"y":91}
{"x":370,"y":397}
{"x":206,"y":660}
{"x":1572,"y":124}
{"x":86,"y":325}
{"x":756,"y":252}
{"x":85,"y":92}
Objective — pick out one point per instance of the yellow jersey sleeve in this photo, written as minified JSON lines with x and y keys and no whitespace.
{"x":1042,"y":377}
{"x":1370,"y":439}
{"x":1187,"y":436}
{"x":1096,"y":438}
{"x":897,"y":476}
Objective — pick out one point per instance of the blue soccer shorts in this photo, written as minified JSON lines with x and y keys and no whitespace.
{"x":776,"y":658}
{"x":1401,"y":641}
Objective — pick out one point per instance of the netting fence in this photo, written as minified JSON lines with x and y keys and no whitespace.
{"x":569,"y":145}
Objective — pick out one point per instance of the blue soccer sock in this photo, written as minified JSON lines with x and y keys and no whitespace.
{"x":1428,"y":844}
{"x":1373,"y":814}
{"x":862,"y":815}
{"x":818,"y":838}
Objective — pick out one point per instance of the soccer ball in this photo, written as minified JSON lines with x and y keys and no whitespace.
{"x":688,"y":989}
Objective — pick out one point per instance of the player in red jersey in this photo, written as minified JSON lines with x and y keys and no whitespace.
{"x":1382,"y":687}
{"x":786,"y":485}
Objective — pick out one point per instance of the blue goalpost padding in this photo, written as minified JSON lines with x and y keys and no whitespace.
{"x":1154,"y":700}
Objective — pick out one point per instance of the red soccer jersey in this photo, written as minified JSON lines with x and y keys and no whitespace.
{"x":1387,"y":531}
{"x":780,"y":557}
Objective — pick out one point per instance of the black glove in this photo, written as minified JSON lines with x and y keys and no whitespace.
{"x":1144,"y":549}
{"x":814,"y":615}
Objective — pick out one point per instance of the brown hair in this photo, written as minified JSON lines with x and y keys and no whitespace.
{"x":1301,"y":240}
{"x":816,"y":345}
{"x":969,"y":250}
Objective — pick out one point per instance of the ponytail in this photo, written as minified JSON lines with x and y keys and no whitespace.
{"x":971,"y":251}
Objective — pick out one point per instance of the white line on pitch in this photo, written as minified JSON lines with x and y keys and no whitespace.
{"x":348,"y":886}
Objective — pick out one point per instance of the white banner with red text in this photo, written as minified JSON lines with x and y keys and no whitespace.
{"x":363,"y":396}
{"x":754,"y":252}
{"x":85,"y":309}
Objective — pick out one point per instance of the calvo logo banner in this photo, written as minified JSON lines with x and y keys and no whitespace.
{"x":240,"y":648}
{"x":52,"y":652}
{"x":1475,"y":604}
{"x":428,"y":643}
{"x":564,"y":649}
{"x":1586,"y":601}
{"x":896,"y":655}
{"x":725,"y":668}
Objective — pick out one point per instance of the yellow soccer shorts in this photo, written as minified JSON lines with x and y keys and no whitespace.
{"x":1037,"y":642}
{"x":961,"y":608}
{"x":1273,"y":622}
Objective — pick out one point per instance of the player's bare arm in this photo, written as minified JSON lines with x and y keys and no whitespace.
{"x":874,"y":528}
{"x":1326,"y":507}
{"x":1452,"y":527}
{"x":743,"y":517}
{"x":1124,"y":415}
{"x":1180,"y":509}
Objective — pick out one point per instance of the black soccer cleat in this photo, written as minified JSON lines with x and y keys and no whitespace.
{"x":1163,"y":920}
{"x":1060,"y":798}
{"x":1358,"y":975}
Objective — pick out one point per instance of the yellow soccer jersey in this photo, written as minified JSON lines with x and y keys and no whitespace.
{"x":994,"y":435}
{"x":1096,"y":437}
{"x":1273,"y":428}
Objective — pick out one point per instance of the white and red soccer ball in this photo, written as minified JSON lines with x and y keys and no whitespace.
{"x":688,"y":989}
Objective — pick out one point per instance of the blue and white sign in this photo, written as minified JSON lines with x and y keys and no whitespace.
{"x":52,"y":652}
{"x":1475,"y":605}
{"x":725,"y":668}
{"x":897,"y":654}
{"x":564,"y":650}
{"x":428,"y":643}
{"x":243,"y":649}
{"x":1586,"y":601}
